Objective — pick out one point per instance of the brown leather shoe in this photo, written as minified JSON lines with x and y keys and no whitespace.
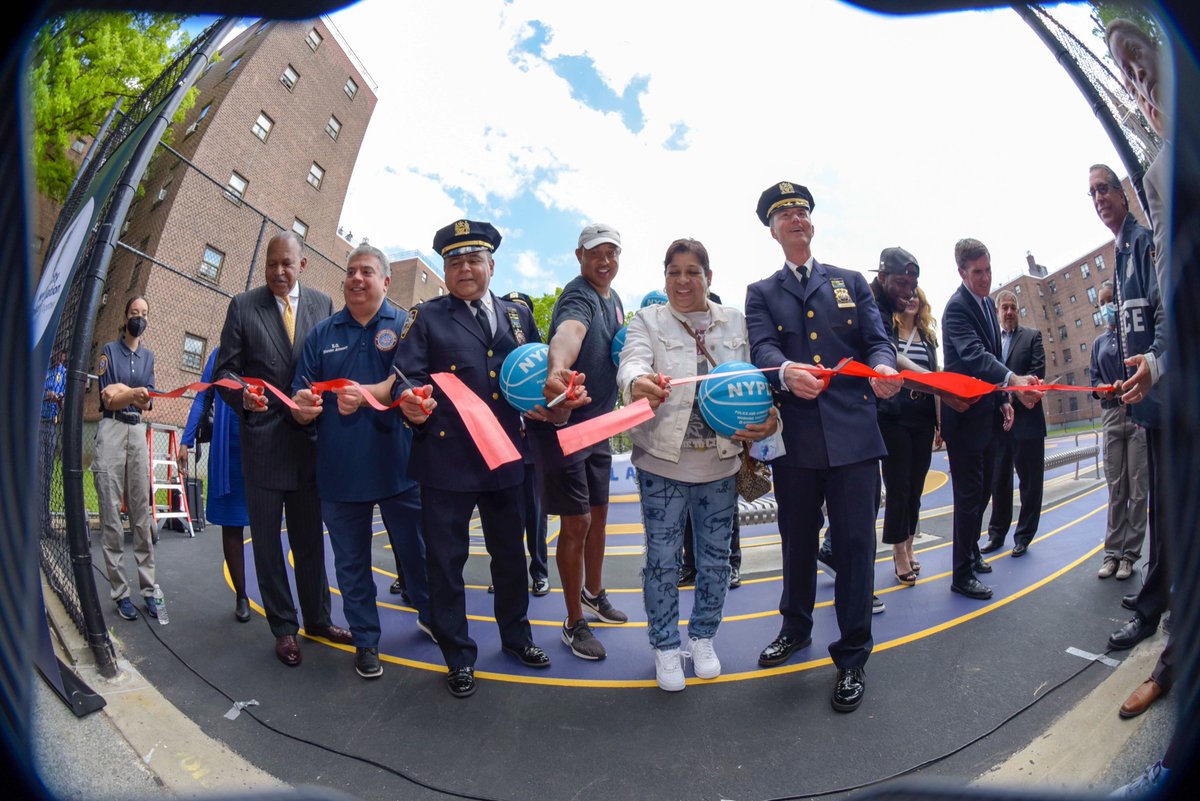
{"x":334,"y":634}
{"x":1140,"y":699}
{"x":288,"y":650}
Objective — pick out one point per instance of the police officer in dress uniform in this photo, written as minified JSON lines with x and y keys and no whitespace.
{"x":362,"y":454}
{"x":467,"y":333}
{"x":813,"y":314}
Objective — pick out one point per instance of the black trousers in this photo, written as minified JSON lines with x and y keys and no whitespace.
{"x":1028,"y":456}
{"x":535,"y":526}
{"x":265,"y":507}
{"x":847,"y":491}
{"x":446,"y":517}
{"x":1155,"y":595}
{"x":909,"y":444}
{"x":970,"y":478}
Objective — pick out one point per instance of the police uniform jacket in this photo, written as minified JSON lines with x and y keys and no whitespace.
{"x":834,"y":317}
{"x":1140,"y":312}
{"x":277,"y":452}
{"x":133,"y":368}
{"x":972,"y":343}
{"x":442,"y":336}
{"x":361,"y":456}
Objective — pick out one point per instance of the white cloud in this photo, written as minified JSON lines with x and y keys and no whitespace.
{"x":914,"y":131}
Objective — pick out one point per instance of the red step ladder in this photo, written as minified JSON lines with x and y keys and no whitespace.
{"x":172,"y":482}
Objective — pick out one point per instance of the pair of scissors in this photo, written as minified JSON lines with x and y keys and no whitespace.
{"x":569,"y":393}
{"x":257,"y":392}
{"x":414,"y":388}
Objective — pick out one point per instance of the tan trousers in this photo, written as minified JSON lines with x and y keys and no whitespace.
{"x":121,"y":467}
{"x":1128,"y":477}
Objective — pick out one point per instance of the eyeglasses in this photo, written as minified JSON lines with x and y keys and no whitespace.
{"x":1100,"y":189}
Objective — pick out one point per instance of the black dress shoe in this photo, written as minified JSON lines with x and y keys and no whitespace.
{"x":242,"y":610}
{"x":334,"y":634}
{"x":1129,"y":635}
{"x":849,"y":690}
{"x":1020,"y":549}
{"x":780,"y":649}
{"x":397,"y":587}
{"x":687,"y":575}
{"x":993,"y":544}
{"x":288,"y":650}
{"x":461,"y":682}
{"x":973,"y":588}
{"x":530,"y":656}
{"x":981,"y":566}
{"x":1130,"y":601}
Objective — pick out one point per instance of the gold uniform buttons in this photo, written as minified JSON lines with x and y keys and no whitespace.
{"x":441,"y":433}
{"x":491,"y":373}
{"x":490,"y":354}
{"x":779,"y":328}
{"x":813,"y":335}
{"x":810,"y":314}
{"x":495,"y":396}
{"x":817,"y":359}
{"x":453,"y":367}
{"x":849,"y":321}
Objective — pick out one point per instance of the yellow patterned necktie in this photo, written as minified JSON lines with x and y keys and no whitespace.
{"x":289,"y":321}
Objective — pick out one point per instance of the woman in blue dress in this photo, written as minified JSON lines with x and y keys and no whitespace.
{"x":226,"y":491}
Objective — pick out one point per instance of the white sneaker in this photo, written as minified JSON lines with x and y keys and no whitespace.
{"x":704,"y":659}
{"x":668,"y":670}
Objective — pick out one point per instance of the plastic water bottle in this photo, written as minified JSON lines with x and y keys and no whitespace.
{"x":160,"y":603}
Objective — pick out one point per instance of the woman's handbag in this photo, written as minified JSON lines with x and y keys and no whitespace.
{"x":204,"y":429}
{"x":753,"y":478}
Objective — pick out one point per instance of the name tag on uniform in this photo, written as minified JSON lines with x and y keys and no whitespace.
{"x":841,"y":294}
{"x":334,"y":348}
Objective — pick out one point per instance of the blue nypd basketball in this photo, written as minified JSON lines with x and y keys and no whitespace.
{"x":618,"y":343}
{"x":730,"y":403}
{"x":523,"y":375}
{"x":655,"y":298}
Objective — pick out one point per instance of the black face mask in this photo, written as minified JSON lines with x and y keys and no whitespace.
{"x":136,"y":326}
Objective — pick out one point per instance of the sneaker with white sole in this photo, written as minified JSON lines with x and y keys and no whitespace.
{"x":876,"y":605}
{"x":125,"y":609}
{"x":668,"y":670}
{"x":704,"y":659}
{"x":602,"y":608}
{"x":581,"y":640}
{"x":366,"y":663}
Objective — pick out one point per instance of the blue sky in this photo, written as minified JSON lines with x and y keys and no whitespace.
{"x":668,"y":120}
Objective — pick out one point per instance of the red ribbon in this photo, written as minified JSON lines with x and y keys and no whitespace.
{"x":589,"y":432}
{"x":494,"y":445}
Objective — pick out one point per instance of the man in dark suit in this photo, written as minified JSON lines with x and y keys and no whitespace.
{"x":807,"y":315}
{"x":467,"y":333}
{"x":971,"y":335}
{"x":263,"y":334}
{"x":1022,"y":446}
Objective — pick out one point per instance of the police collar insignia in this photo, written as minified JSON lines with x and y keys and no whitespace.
{"x":514,"y":320}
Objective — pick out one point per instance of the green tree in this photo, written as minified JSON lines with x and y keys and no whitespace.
{"x":1105,"y":11}
{"x":543,"y":308}
{"x":80,"y":63}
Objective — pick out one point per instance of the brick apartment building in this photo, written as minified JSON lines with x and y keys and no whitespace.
{"x":273,"y":137}
{"x":1063,"y":306}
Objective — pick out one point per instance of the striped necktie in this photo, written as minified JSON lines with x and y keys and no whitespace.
{"x":289,"y":321}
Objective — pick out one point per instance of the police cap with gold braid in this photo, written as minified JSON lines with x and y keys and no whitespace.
{"x":781,"y":196}
{"x":466,"y":236}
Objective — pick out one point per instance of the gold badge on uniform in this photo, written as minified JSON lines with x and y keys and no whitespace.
{"x":462,"y":228}
{"x":786,"y":188}
{"x":841,"y":294}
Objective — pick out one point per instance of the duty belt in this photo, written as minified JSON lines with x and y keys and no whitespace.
{"x":128,"y":418}
{"x":1109,"y":404}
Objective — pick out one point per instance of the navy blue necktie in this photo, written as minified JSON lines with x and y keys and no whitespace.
{"x":482,"y":318}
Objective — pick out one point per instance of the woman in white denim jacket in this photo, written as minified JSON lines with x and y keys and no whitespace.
{"x":683,"y":466}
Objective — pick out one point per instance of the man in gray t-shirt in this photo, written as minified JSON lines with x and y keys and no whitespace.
{"x":586,"y":317}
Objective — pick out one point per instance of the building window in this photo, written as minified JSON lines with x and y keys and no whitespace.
{"x":1093,"y":295}
{"x":439,"y":290}
{"x":1066,"y":275}
{"x":210,"y":265}
{"x":1058,"y":310}
{"x":351,"y":88}
{"x":300,"y":227}
{"x":1054,"y":358}
{"x":289,"y":77}
{"x":163,"y":191}
{"x":1053,"y":288}
{"x":1100,"y":263}
{"x":333,"y":127}
{"x":314,"y":39}
{"x":1078,"y":323}
{"x":1083,"y":347}
{"x":1074,"y":403}
{"x":424,"y":277}
{"x":191,"y":129}
{"x":1041,"y":292}
{"x":1017,"y":289}
{"x":1084,"y":270}
{"x":1066,"y":355}
{"x":193,"y":353}
{"x":79,"y":146}
{"x":1073,"y":299}
{"x":262,"y":126}
{"x":1022,"y":311}
{"x":1062,"y":332}
{"x":316,"y":174}
{"x":233,"y":66}
{"x":235,"y":190}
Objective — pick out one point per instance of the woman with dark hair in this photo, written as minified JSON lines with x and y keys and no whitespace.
{"x":121,"y":462}
{"x":683,"y":466}
{"x":226,"y":506}
{"x":909,"y":424}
